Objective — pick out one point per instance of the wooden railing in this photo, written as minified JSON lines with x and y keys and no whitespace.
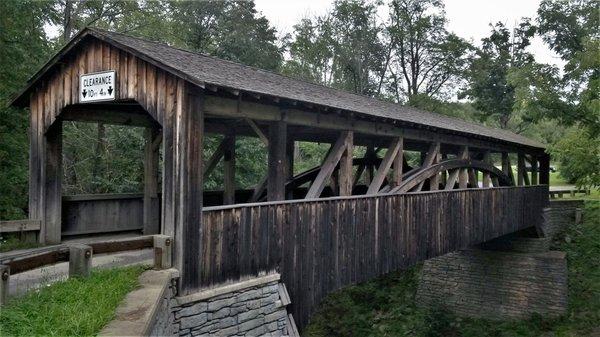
{"x":324,"y":244}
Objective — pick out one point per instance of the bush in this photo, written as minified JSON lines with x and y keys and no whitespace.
{"x":578,"y":154}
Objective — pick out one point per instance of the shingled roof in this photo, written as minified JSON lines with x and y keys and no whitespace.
{"x":203,"y":69}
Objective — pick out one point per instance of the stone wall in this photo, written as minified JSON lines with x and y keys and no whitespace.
{"x":495,"y":285}
{"x":560,"y":215}
{"x":256,"y":307}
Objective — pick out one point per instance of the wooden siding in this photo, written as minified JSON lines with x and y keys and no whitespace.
{"x":322,"y":245}
{"x":87,"y":214}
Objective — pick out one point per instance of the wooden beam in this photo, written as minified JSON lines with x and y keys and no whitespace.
{"x":329,"y":165}
{"x":520,"y":169}
{"x":545,"y":169}
{"x":487,"y":180}
{"x":151,"y":161}
{"x":507,"y":167}
{"x":19,"y":226}
{"x":463,"y":178}
{"x":428,"y":160}
{"x":385,"y":166}
{"x":344,"y":178}
{"x":229,"y":170}
{"x":53,"y":185}
{"x":451,"y":181}
{"x":258,"y":131}
{"x":277,"y":165}
{"x":259,"y":189}
{"x":534,"y":170}
{"x":215,"y":158}
{"x":398,"y":164}
{"x":290,"y":155}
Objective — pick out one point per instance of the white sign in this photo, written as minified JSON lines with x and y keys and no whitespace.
{"x":97,"y":86}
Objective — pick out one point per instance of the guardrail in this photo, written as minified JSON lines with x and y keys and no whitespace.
{"x":80,"y":257}
{"x":559,"y":192}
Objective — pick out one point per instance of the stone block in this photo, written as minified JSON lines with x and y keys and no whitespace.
{"x":192,"y":310}
{"x":218,"y":304}
{"x":80,"y":260}
{"x":193,"y":321}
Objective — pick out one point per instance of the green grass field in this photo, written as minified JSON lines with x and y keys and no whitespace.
{"x":386,"y":306}
{"x":75,"y":307}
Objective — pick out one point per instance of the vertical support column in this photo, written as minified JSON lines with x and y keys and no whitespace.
{"x":520,"y":169}
{"x":185,"y":195}
{"x":151,"y":159}
{"x":290,"y":153}
{"x":277,"y":168}
{"x":52,"y":202}
{"x":463,"y":176}
{"x":487,"y":180}
{"x":545,"y":169}
{"x":534,"y":170}
{"x":345,"y":178}
{"x":507,"y":168}
{"x":398,"y":165}
{"x":229,"y":170}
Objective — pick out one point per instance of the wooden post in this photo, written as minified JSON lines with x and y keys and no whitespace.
{"x":507,"y":167}
{"x":52,"y":203}
{"x":277,"y":170}
{"x":545,"y":169}
{"x":80,"y":260}
{"x":163,"y":248}
{"x":4,"y":283}
{"x":534,"y":170}
{"x":398,"y":165}
{"x":229,"y":171}
{"x":345,"y":179}
{"x":290,"y":149}
{"x":182,"y":196}
{"x":520,"y":169}
{"x":463,"y":177}
{"x":487,"y":180}
{"x":151,"y":202}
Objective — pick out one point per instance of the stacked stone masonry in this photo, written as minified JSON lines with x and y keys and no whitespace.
{"x":497,"y":285}
{"x":254,"y":311}
{"x":510,"y":277}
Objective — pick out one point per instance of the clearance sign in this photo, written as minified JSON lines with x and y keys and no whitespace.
{"x":97,"y":86}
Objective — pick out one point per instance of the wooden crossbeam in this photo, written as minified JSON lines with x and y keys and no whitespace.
{"x":385,"y":166}
{"x":507,"y":168}
{"x":452,"y":177}
{"x":344,"y":176}
{"x":398,"y":165}
{"x":215,"y":158}
{"x":258,"y":131}
{"x":329,"y":165}
{"x":430,"y":158}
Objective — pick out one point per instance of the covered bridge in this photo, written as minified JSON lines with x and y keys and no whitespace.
{"x":345,"y":221}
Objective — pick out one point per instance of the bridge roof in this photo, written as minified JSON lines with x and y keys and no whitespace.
{"x":202,"y":70}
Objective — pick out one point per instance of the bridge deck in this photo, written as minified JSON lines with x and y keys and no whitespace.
{"x":321,"y":245}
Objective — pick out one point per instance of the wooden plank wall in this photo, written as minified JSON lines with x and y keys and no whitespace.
{"x":102,"y":213}
{"x":322,"y":245}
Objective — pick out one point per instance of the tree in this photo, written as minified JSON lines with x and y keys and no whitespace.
{"x":502,"y":57}
{"x":342,"y":49}
{"x":424,"y":57}
{"x":23,"y":47}
{"x":232,"y":30}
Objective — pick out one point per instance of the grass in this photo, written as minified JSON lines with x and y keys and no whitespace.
{"x":75,"y":307}
{"x":13,"y":242}
{"x":386,"y":306}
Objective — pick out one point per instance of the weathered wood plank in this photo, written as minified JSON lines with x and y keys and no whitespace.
{"x":385,"y":166}
{"x":333,"y":158}
{"x":277,"y":161}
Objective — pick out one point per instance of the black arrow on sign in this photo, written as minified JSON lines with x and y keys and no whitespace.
{"x":110,"y":90}
{"x":84,"y":92}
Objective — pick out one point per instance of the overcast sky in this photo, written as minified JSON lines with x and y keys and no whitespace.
{"x":469,"y":19}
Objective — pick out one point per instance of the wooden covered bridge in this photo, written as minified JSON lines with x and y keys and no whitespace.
{"x":346,"y":221}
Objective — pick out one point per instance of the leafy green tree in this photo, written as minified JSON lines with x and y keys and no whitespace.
{"x":341,"y":49}
{"x":232,"y":30}
{"x":579,"y":156}
{"x":425,"y":57}
{"x":23,"y":47}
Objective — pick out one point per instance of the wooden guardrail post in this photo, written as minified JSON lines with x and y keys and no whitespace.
{"x":4,"y":278}
{"x":80,"y":260}
{"x":163,"y":248}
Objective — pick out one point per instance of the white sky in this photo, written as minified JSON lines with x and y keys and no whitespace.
{"x":469,"y":19}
